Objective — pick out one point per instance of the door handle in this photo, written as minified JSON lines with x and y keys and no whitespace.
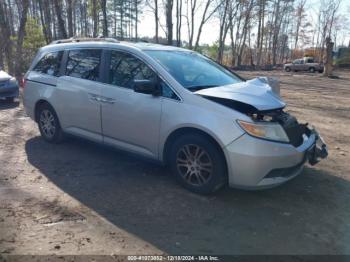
{"x":108,"y":100}
{"x":94,"y":97}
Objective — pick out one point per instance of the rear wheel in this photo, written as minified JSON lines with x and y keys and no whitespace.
{"x":198,"y":164}
{"x":312,"y":70}
{"x":49,"y":125}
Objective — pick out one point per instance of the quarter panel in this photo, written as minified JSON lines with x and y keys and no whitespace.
{"x":38,"y":87}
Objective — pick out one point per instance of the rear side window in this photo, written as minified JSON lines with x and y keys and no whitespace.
{"x":50,"y":64}
{"x":125,"y":68}
{"x":84,"y":63}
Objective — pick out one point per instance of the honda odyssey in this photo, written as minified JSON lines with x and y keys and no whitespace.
{"x":173,"y":105}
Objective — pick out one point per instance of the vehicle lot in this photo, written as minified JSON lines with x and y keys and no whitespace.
{"x":82,"y":198}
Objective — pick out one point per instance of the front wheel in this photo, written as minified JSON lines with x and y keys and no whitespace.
{"x":198,"y":164}
{"x":288,"y":69}
{"x":312,"y":70}
{"x":49,"y":125}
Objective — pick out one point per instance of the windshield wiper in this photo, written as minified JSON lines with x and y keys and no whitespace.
{"x":197,"y":88}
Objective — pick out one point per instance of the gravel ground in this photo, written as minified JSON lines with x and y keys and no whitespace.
{"x":82,"y":198}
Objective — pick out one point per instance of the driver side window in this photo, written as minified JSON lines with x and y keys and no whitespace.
{"x":125,"y":68}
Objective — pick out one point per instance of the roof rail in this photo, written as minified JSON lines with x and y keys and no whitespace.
{"x":84,"y":39}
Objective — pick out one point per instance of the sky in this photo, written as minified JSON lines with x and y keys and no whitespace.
{"x":210,"y":32}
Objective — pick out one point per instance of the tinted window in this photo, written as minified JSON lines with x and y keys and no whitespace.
{"x":49,"y":64}
{"x":192,"y":70}
{"x":124,"y":68}
{"x":84,"y":64}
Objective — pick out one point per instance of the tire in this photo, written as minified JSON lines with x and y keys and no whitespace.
{"x":312,"y":70}
{"x":288,"y":69}
{"x":10,"y":99}
{"x":204,"y":174}
{"x":49,"y":125}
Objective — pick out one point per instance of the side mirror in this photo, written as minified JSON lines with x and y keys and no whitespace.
{"x":147,"y":87}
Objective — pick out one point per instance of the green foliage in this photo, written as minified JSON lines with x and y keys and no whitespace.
{"x":210,"y":50}
{"x":34,"y":37}
{"x":33,"y":40}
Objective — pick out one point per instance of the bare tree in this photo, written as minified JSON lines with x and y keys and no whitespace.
{"x":105,"y":22}
{"x":328,"y":68}
{"x":205,"y":18}
{"x":61,"y":26}
{"x":154,"y":6}
{"x":94,"y":17}
{"x":178,"y":21}
{"x":5,"y":41}
{"x":70,"y":17}
{"x":20,"y":37}
{"x":299,"y":15}
{"x":169,"y":20}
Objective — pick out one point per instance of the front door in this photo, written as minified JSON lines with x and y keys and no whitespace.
{"x":130,"y":120}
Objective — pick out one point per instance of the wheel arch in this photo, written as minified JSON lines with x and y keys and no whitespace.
{"x":175,"y":134}
{"x":37,"y":106}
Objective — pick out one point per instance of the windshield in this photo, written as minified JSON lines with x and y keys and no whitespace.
{"x":192,"y":70}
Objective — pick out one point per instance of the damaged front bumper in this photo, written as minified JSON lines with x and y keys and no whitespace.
{"x":318,"y":150}
{"x":256,"y":164}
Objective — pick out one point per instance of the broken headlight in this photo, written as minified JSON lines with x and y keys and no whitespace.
{"x":265,"y":130}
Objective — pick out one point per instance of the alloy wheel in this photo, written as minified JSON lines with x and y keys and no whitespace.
{"x":194,"y":164}
{"x":47,"y":123}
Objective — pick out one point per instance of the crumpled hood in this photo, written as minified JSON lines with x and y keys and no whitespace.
{"x":4,"y":76}
{"x":256,"y":93}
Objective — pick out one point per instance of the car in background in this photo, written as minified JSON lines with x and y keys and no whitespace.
{"x":304,"y":64}
{"x":8,"y":87}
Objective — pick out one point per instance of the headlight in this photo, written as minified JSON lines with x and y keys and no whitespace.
{"x":13,"y":81}
{"x":270,"y":131}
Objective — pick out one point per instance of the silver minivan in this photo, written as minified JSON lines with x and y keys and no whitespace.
{"x":173,"y":105}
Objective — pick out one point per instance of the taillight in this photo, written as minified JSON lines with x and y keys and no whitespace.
{"x":23,"y":83}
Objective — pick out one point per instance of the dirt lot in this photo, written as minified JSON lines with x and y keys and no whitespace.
{"x":81,"y":198}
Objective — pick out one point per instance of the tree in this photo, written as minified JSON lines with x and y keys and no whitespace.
{"x":95,"y":17}
{"x":205,"y":18}
{"x":105,"y":23}
{"x":70,"y":17}
{"x":61,"y":26}
{"x":328,"y":66}
{"x":20,"y":37}
{"x":5,"y":41}
{"x":169,"y":20}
